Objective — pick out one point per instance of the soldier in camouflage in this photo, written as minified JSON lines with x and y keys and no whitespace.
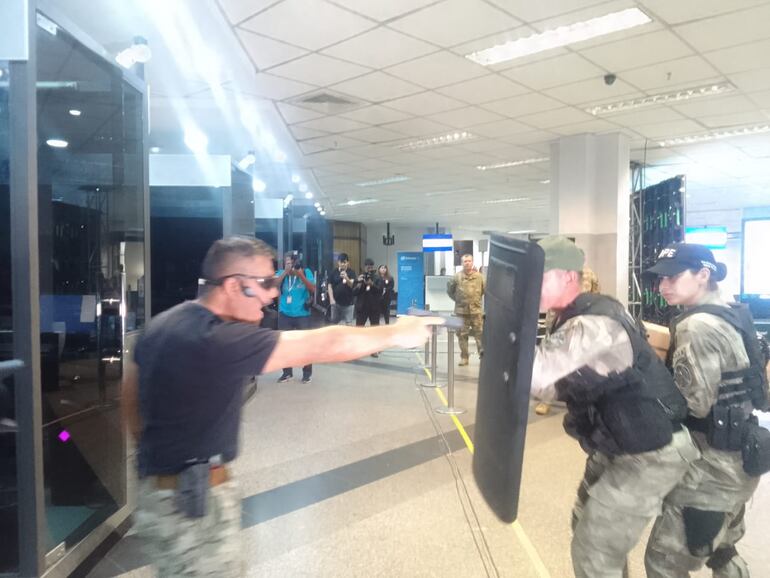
{"x":466,"y":289}
{"x":623,"y":408}
{"x":702,"y":518}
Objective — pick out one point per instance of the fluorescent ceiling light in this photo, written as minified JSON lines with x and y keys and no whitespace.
{"x":561,"y":36}
{"x":358,"y":202}
{"x":434,"y":141}
{"x":247,"y":161}
{"x":511,"y":200}
{"x":451,"y":192}
{"x":512,"y":164}
{"x":258,"y":185}
{"x":522,"y":232}
{"x":388,"y":181}
{"x":459,"y":213}
{"x":75,"y":112}
{"x":322,"y":213}
{"x":715,"y":135}
{"x":308,"y":195}
{"x":316,"y":204}
{"x":663,"y":98}
{"x":57,"y":143}
{"x":195,"y":140}
{"x":154,"y":150}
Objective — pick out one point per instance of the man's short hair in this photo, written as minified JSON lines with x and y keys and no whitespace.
{"x":343,"y":257}
{"x":467,"y":255}
{"x":368,"y":261}
{"x":224,"y":251}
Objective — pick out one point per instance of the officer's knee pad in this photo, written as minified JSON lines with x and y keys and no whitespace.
{"x":701,"y":527}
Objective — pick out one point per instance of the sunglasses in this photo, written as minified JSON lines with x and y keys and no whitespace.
{"x":267,"y":283}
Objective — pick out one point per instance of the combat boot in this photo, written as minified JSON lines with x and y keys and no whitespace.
{"x":463,"y":361}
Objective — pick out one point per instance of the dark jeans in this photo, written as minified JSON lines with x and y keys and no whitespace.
{"x":386,"y":312}
{"x":286,"y":323}
{"x":370,"y":313}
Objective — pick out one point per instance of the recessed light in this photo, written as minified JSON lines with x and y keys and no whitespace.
{"x":247,"y":161}
{"x":57,"y":143}
{"x":715,"y":135}
{"x":662,"y":98}
{"x":322,"y":213}
{"x":316,"y":204}
{"x":545,"y":182}
{"x":512,"y":164}
{"x":561,"y":36}
{"x":387,"y":181}
{"x":75,"y":112}
{"x":154,"y":150}
{"x":258,"y":185}
{"x":308,"y":195}
{"x":443,"y":139}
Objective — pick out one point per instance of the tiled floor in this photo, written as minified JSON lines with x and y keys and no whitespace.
{"x":350,"y":476}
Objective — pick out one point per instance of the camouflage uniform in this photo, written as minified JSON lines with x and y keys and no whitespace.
{"x":183,"y":546}
{"x":705,"y":348}
{"x":466,"y":290}
{"x":619,"y":495}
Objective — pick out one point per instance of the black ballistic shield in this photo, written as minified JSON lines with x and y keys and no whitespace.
{"x":512,"y":303}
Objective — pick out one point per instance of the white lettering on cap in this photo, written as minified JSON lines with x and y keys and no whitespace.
{"x":667,"y":253}
{"x":708,"y":265}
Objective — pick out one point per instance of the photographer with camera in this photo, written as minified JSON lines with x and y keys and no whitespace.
{"x":341,"y":291}
{"x":368,"y":292}
{"x":297,"y":286}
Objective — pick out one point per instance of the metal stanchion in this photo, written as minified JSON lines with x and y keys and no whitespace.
{"x":450,"y":409}
{"x":432,"y":382}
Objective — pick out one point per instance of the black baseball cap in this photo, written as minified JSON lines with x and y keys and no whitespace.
{"x":679,"y":257}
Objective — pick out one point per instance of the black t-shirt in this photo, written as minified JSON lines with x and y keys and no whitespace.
{"x":343,"y":293}
{"x":192,"y":368}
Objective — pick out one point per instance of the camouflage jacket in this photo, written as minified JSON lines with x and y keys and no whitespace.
{"x":466,"y":291}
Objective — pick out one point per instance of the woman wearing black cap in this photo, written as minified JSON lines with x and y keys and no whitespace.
{"x":711,"y":356}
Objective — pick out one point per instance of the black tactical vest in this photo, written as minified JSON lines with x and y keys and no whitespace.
{"x":736,"y":387}
{"x":631,"y":412}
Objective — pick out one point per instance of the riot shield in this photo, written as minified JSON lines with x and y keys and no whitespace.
{"x":512,"y":302}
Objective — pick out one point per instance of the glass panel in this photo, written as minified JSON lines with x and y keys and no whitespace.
{"x":9,"y":530}
{"x":91,"y":276}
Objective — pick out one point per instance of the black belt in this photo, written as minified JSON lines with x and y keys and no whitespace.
{"x":700,"y":424}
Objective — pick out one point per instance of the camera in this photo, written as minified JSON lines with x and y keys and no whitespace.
{"x":609,"y":79}
{"x":368,"y":275}
{"x":297,"y":265}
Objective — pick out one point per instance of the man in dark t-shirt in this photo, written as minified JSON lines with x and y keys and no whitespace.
{"x":182,"y":402}
{"x":341,"y":297}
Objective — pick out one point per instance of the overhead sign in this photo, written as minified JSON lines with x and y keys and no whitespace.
{"x":436,"y":243}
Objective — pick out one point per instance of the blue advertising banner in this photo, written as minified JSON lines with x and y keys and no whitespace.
{"x":411,"y":281}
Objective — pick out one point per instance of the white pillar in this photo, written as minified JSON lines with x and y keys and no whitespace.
{"x":590,"y":188}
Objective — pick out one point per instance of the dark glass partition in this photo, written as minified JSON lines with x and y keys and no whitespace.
{"x":91,"y":244}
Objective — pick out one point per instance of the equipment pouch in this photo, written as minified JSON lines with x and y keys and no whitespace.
{"x":756,"y":448}
{"x":718,"y":434}
{"x":736,"y":428}
{"x":192,"y":491}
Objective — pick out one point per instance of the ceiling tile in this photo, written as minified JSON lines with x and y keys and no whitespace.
{"x":524,"y":104}
{"x":266,"y":52}
{"x":752,"y":80}
{"x":375,"y":134}
{"x":333,"y":124}
{"x":686,"y":10}
{"x":557,"y":117}
{"x":303,"y":133}
{"x":376,"y":114}
{"x":740,"y":58}
{"x":417,"y":127}
{"x":319,"y":70}
{"x":593,"y":90}
{"x":483,"y":145}
{"x":238,"y":10}
{"x":380,"y":47}
{"x":596,"y":126}
{"x":735,"y":119}
{"x":530,"y":137}
{"x":292,"y":114}
{"x":438,"y":69}
{"x":333,"y":142}
{"x":637,"y":51}
{"x":329,"y":158}
{"x":564,"y":69}
{"x":670,"y":129}
{"x":529,"y":11}
{"x":709,"y":106}
{"x":465,"y":117}
{"x":728,"y":29}
{"x":649,"y":115}
{"x":424,"y":103}
{"x":499,"y":129}
{"x":483,"y":89}
{"x":455,"y":21}
{"x":383,"y":10}
{"x":297,"y":22}
{"x":693,"y":70}
{"x":368,"y":164}
{"x":377,"y":86}
{"x":761,"y":98}
{"x":274,"y":87}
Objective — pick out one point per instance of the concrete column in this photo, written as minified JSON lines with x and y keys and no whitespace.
{"x":590,"y":188}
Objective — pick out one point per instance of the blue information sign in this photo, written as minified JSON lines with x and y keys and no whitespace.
{"x":411,"y":281}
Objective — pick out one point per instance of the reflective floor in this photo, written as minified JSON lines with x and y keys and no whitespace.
{"x":356,"y":475}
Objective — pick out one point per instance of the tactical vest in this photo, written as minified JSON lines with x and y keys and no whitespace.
{"x":736,"y":387}
{"x":631,"y":412}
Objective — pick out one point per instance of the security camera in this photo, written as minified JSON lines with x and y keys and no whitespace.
{"x":609,"y":79}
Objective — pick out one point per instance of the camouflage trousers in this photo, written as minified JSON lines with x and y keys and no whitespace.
{"x":717,"y":488}
{"x":473,"y":323}
{"x":182,"y":546}
{"x":617,"y":498}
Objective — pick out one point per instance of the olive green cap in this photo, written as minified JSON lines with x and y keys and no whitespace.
{"x":561,"y":253}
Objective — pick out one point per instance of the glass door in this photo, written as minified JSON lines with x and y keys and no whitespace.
{"x":91,"y":244}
